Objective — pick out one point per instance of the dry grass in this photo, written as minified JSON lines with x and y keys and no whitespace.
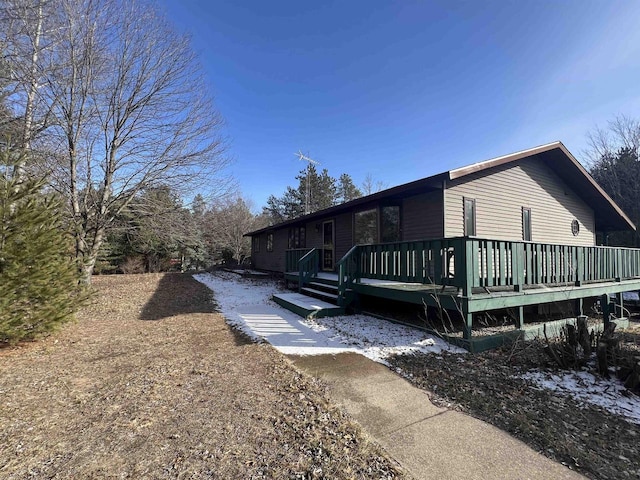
{"x":151,"y":383}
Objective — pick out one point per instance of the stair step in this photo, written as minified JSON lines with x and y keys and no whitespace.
{"x":321,"y":293}
{"x":307,"y":307}
{"x":329,"y":280}
{"x":327,"y":286}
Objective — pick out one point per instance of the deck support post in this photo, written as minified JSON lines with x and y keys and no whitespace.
{"x":606,"y":310}
{"x":579,"y":307}
{"x":468,"y":322}
{"x":520,"y":318}
{"x":619,"y":308}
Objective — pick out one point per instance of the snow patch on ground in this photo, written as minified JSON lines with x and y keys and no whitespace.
{"x":247,"y":305}
{"x":587,"y":388}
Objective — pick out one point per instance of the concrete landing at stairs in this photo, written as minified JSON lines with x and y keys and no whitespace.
{"x":428,"y":441}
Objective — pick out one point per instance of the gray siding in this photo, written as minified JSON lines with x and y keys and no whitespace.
{"x":422,"y":216}
{"x":502,"y":192}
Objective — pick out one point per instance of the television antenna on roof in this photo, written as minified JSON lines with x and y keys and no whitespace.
{"x":307,"y":195}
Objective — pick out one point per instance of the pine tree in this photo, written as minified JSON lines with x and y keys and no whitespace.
{"x":39,"y":281}
{"x":321,"y":188}
{"x":347,"y":190}
{"x":618,"y":173}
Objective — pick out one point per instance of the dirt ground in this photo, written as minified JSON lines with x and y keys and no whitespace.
{"x":589,"y":440}
{"x":151,"y":383}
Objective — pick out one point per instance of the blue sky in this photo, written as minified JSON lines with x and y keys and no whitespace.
{"x":406,"y":89}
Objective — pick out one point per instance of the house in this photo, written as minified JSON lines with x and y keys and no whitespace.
{"x":477,"y":238}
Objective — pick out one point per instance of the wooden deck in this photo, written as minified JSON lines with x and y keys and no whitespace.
{"x":471,"y":275}
{"x":482,"y":299}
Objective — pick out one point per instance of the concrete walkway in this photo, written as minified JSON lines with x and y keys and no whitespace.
{"x":429,"y":442}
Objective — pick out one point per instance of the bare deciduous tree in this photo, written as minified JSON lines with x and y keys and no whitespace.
{"x":225,"y":225}
{"x":129,"y":111}
{"x":24,"y":25}
{"x":369,"y":185}
{"x":621,"y":132}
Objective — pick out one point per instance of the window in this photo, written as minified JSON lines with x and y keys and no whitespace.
{"x":269,"y":242}
{"x":526,"y":224}
{"x":256,"y":244}
{"x":391,"y":223}
{"x":575,"y":228}
{"x":297,"y":237}
{"x":469,"y":217}
{"x":328,"y":247}
{"x":366,"y":227}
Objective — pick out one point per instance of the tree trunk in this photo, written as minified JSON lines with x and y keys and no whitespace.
{"x":87,"y":256}
{"x":86,"y":269}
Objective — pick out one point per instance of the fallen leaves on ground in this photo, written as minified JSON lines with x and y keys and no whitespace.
{"x":150,"y":382}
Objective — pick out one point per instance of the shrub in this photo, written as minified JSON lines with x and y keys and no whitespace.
{"x":39,"y":281}
{"x":132,"y":265}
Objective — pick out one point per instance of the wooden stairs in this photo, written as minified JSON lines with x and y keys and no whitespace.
{"x":318,"y":298}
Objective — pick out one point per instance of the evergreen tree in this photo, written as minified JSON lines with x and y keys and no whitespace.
{"x":160,"y":228}
{"x":39,"y":281}
{"x":322,"y":189}
{"x":618,"y":173}
{"x":196,"y":250}
{"x":347,"y":190}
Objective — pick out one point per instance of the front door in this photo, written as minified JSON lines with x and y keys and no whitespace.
{"x":328,"y":245}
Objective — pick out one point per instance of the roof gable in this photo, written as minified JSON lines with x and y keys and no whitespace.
{"x":609,"y":216}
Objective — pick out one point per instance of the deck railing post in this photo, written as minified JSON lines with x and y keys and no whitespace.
{"x":464,"y":265}
{"x":517,"y":266}
{"x":348,"y":273}
{"x":308,"y":267}
{"x":579,"y":267}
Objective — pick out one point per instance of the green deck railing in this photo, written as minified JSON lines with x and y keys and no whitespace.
{"x":500,"y":263}
{"x":348,"y":273}
{"x":292,"y":258}
{"x":308,"y":267}
{"x":466,"y":263}
{"x":425,"y":261}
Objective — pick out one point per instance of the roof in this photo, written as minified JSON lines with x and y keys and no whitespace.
{"x":608,"y":215}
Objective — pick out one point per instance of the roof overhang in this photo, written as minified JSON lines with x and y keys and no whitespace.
{"x":418,"y":186}
{"x":608,"y":215}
